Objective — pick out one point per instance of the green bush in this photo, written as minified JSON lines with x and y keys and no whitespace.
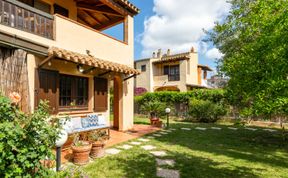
{"x":170,"y":97}
{"x":205,"y":111}
{"x":25,"y":140}
{"x":153,"y":108}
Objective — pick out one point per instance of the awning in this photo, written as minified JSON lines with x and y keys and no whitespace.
{"x":90,"y":61}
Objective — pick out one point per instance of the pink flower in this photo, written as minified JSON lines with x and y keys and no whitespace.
{"x":15,"y":97}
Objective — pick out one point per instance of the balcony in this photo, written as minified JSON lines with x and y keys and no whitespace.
{"x":25,"y":18}
{"x":33,"y":25}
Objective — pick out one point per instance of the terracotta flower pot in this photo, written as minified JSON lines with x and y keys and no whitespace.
{"x":81,"y":154}
{"x":97,"y":150}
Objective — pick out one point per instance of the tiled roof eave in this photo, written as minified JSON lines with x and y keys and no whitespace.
{"x":91,"y":61}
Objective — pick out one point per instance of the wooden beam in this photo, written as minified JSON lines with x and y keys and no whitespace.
{"x":88,"y":70}
{"x":110,"y":24}
{"x":99,"y":10}
{"x":116,"y":7}
{"x":89,"y":15}
{"x":83,"y":20}
{"x":100,"y":75}
{"x":125,"y":30}
{"x":45,"y":61}
{"x":131,"y":76}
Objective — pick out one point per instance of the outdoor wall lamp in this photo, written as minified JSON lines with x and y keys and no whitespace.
{"x":62,"y":138}
{"x":167,"y":111}
{"x":80,"y":68}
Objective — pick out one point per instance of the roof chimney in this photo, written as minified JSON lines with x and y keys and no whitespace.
{"x":192,"y":50}
{"x":159,"y":53}
{"x":168,"y":52}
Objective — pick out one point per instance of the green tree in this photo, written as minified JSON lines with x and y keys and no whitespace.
{"x":254,"y":41}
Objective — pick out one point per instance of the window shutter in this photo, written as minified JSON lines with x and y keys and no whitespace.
{"x":100,"y":94}
{"x":46,"y":88}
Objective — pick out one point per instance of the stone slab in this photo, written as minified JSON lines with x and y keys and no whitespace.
{"x":201,"y":128}
{"x":125,"y":147}
{"x":158,"y":153}
{"x":185,"y":129}
{"x":167,"y":173}
{"x":163,"y":162}
{"x":148,"y":147}
{"x":112,"y":151}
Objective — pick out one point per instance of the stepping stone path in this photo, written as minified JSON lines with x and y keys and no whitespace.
{"x":200,"y":128}
{"x":163,"y":133}
{"x":270,"y":130}
{"x":216,"y":128}
{"x":232,"y":128}
{"x":125,"y":147}
{"x":157,"y":135}
{"x":161,"y":162}
{"x":158,"y":153}
{"x":135,"y":143}
{"x":148,"y":147}
{"x":185,"y":129}
{"x":251,"y":129}
{"x":143,"y":140}
{"x":112,"y":151}
{"x":169,"y":131}
{"x":150,"y":137}
{"x":172,"y":129}
{"x":167,"y":173}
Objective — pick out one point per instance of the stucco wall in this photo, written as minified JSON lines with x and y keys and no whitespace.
{"x":192,"y":77}
{"x":143,"y":80}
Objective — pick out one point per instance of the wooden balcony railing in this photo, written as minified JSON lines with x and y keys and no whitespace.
{"x":26,"y":18}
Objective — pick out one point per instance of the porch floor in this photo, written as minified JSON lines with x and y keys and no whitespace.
{"x":117,"y":137}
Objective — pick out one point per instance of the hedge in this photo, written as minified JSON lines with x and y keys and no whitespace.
{"x":215,"y":96}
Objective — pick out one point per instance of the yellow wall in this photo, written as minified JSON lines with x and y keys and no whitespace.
{"x":154,"y":76}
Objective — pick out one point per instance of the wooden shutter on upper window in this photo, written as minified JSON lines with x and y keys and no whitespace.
{"x":46,"y":88}
{"x":100,"y":94}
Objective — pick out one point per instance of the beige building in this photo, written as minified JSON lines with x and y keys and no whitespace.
{"x":55,"y":50}
{"x":171,"y":72}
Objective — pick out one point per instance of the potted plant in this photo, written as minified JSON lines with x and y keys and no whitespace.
{"x":81,"y":150}
{"x":155,"y":109}
{"x":97,"y":139}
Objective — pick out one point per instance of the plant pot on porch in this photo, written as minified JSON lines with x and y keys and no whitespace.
{"x":81,"y":153}
{"x":97,"y":149}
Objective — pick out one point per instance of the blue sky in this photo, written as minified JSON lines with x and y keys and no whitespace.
{"x":175,"y":24}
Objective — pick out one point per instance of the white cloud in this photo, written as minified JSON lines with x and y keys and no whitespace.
{"x":214,"y":53}
{"x":179,"y":24}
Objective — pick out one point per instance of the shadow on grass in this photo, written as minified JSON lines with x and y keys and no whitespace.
{"x":253,"y":146}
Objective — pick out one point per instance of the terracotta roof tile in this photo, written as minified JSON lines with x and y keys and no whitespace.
{"x":90,"y":61}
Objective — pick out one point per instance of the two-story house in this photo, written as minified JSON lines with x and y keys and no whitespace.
{"x":171,"y":72}
{"x":56,"y":50}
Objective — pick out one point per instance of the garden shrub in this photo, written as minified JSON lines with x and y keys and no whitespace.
{"x":205,"y":111}
{"x":25,"y":140}
{"x":153,"y":108}
{"x":181,"y":100}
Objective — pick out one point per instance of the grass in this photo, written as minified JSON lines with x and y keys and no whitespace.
{"x":210,"y":153}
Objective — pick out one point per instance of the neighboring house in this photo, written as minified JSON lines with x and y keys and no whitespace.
{"x":171,"y":72}
{"x":217,"y":81}
{"x":55,"y":50}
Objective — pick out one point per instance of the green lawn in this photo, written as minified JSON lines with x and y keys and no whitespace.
{"x":210,"y":153}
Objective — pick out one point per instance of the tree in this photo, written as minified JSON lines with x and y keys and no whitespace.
{"x":254,"y":41}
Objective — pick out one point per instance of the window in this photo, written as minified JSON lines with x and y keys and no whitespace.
{"x":61,"y":10}
{"x":166,"y":70}
{"x":38,"y":4}
{"x":143,"y":68}
{"x":73,"y":92}
{"x":173,"y":72}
